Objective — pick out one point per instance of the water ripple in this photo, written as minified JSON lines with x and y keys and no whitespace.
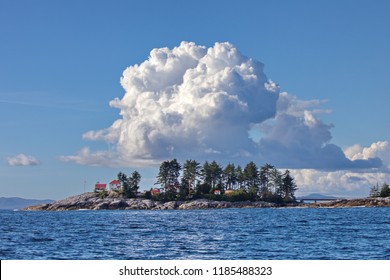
{"x":353,"y":233}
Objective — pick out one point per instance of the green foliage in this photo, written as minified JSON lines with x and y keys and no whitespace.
{"x":167,"y":196}
{"x":130,"y":185}
{"x":288,"y":187}
{"x":265,"y":177}
{"x":229,"y":176}
{"x":191,"y":173}
{"x":148,"y":195}
{"x":103,"y":194}
{"x":204,"y":188}
{"x":212,"y":173}
{"x":374,"y":191}
{"x":168,"y":174}
{"x":383,"y":191}
{"x":239,"y":195}
{"x":251,"y":175}
{"x":251,"y":183}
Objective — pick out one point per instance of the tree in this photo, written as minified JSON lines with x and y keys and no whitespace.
{"x":206,"y":173}
{"x":168,"y":174}
{"x":385,"y":190}
{"x":240,"y":177}
{"x":275,"y":181}
{"x":130,"y":185}
{"x":135,"y":179}
{"x":163,"y":174}
{"x":191,"y":171}
{"x":251,"y":175}
{"x":265,"y":175}
{"x":216,"y":172}
{"x":288,"y":187}
{"x":212,"y":173}
{"x":229,"y":175}
{"x":374,"y":191}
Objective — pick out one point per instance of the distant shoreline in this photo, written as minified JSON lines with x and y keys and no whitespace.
{"x":92,"y":201}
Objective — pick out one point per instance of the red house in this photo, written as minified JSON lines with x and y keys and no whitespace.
{"x":100,"y":187}
{"x":115,"y":185}
{"x":155,"y":192}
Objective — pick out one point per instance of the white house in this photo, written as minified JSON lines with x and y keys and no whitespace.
{"x":115,"y":185}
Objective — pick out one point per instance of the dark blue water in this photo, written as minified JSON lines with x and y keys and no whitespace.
{"x":287,"y":233}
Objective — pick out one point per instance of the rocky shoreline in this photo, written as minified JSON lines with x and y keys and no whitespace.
{"x":92,"y":201}
{"x":359,"y":202}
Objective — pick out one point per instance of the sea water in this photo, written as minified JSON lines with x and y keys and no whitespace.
{"x":265,"y":233}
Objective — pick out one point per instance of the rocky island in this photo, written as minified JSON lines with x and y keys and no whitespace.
{"x":92,"y":201}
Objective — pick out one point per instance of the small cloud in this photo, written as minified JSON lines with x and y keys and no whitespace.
{"x":22,"y":160}
{"x":105,"y":158}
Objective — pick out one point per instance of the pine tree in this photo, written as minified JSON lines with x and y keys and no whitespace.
{"x":229,"y":175}
{"x":169,"y":174}
{"x":288,"y":187}
{"x":212,"y":174}
{"x":191,"y":172}
{"x":374,"y":191}
{"x":265,"y":176}
{"x":130,"y":185}
{"x":385,"y":190}
{"x":134,"y":180}
{"x":251,"y":175}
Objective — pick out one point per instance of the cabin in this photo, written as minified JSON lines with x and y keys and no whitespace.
{"x":217,"y":192}
{"x":155,"y":192}
{"x":100,"y":187}
{"x":115,"y":185}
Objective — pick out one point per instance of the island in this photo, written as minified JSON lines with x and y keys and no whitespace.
{"x":94,"y":201}
{"x":210,"y":186}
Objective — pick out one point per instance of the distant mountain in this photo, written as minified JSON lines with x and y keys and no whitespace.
{"x":316,"y":196}
{"x":18,"y":203}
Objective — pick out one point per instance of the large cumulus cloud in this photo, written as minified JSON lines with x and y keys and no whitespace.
{"x":189,"y":102}
{"x":204,"y":103}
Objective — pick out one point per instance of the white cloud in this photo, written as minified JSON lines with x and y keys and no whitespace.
{"x":340,"y":183}
{"x":187,"y":102}
{"x":297,"y":138}
{"x":348,"y":182}
{"x":206,"y":103}
{"x":380,"y":149}
{"x":22,"y":160}
{"x":104,"y":158}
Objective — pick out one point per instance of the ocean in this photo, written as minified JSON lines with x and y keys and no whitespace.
{"x":259,"y":234}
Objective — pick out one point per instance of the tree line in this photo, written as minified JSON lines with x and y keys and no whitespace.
{"x":383,"y":191}
{"x":193,"y":180}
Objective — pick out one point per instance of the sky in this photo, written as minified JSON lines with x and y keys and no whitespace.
{"x":91,"y":88}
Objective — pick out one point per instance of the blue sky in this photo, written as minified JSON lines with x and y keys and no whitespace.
{"x":61,"y":64}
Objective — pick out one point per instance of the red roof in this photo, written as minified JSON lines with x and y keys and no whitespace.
{"x":114,"y":182}
{"x":155,"y":191}
{"x":100,"y":186}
